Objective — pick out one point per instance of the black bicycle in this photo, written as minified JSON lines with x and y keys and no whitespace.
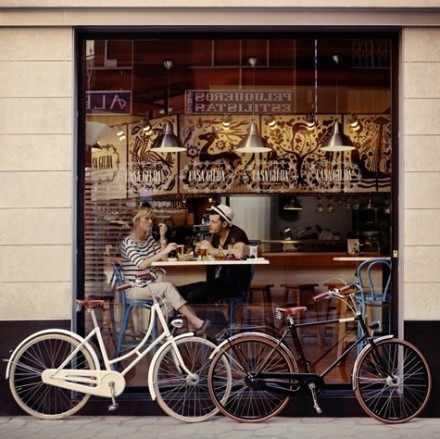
{"x":253,"y":374}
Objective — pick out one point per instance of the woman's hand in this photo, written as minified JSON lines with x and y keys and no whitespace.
{"x":170,"y":247}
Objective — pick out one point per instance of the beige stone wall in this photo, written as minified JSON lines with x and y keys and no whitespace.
{"x":36,"y":181}
{"x":420,"y":185}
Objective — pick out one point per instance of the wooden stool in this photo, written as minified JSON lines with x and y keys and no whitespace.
{"x":303,"y":296}
{"x":266,"y":293}
{"x":299,"y":291}
{"x":341,"y":335}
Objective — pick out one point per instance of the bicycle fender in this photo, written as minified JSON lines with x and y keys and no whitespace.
{"x":367,"y":346}
{"x":246,"y":334}
{"x":155,"y":358}
{"x":48,"y":332}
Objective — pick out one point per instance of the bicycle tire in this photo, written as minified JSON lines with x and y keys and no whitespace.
{"x":398,"y":393}
{"x":247,"y":354}
{"x":36,"y":398}
{"x":178,"y":395}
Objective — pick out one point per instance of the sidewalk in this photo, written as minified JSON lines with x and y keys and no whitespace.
{"x":163,"y":427}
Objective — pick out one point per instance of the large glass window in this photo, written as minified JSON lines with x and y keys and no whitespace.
{"x":296,"y":91}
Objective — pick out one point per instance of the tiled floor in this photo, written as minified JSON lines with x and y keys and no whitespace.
{"x":112,"y":427}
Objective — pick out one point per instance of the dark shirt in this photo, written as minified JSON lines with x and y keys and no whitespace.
{"x":223,"y":281}
{"x":237,"y":278}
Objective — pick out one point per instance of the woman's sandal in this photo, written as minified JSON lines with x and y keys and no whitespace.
{"x":202,"y":330}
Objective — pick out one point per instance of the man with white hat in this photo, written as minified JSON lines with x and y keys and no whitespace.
{"x":228,"y":241}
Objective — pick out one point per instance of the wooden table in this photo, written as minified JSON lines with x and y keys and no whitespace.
{"x":210,"y":265}
{"x":210,"y":262}
{"x":361,"y":258}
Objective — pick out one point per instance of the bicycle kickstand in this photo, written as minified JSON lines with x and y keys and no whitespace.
{"x":312,"y":388}
{"x":114,"y":404}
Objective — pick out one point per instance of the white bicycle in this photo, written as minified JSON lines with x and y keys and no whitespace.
{"x":53,"y":373}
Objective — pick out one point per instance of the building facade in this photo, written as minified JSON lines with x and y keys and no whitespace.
{"x":39,"y":140}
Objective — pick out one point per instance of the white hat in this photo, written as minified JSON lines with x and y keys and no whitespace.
{"x":224,"y":211}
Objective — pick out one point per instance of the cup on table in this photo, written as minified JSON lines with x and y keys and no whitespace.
{"x":203,"y":252}
{"x":180,"y":252}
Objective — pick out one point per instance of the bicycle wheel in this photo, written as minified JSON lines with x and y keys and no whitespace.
{"x":42,"y":400}
{"x":246,"y":355}
{"x":181,"y":396}
{"x":392,"y":382}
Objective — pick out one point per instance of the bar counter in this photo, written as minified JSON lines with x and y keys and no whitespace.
{"x":313,"y":259}
{"x":283,"y":267}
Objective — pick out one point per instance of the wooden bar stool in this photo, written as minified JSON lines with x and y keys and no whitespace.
{"x":303,"y":296}
{"x":299,"y":291}
{"x":265,"y":293}
{"x":342,"y":334}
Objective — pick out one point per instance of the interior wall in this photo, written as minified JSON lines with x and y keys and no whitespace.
{"x":253,"y":215}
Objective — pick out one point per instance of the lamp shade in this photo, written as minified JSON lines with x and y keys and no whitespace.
{"x":253,"y":142}
{"x":293,"y":204}
{"x":168,"y":141}
{"x":95,"y":131}
{"x":338,"y":141}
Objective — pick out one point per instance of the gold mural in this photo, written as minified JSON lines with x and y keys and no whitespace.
{"x":295,"y":163}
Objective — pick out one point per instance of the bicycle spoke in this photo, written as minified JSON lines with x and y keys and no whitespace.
{"x":45,"y":352}
{"x":392,"y":381}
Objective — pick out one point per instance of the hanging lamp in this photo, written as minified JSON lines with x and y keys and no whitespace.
{"x":337,"y":141}
{"x":293,"y":204}
{"x":312,"y":118}
{"x":253,"y":142}
{"x":167,"y":141}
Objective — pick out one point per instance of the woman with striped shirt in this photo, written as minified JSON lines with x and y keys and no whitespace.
{"x":138,"y":251}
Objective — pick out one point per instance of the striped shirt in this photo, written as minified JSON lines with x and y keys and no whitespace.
{"x":133,"y":253}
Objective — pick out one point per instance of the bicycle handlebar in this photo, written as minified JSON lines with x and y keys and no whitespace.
{"x":334,"y":292}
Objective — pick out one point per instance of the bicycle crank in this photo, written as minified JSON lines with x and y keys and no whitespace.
{"x":315,"y":385}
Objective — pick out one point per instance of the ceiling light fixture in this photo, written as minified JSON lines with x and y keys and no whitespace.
{"x":293,"y":204}
{"x":253,"y":142}
{"x":271,"y":121}
{"x":226,"y":122}
{"x":311,"y":121}
{"x":146,"y":124}
{"x":312,"y":118}
{"x":167,"y":141}
{"x":337,"y":141}
{"x":120,"y":132}
{"x":355,"y":123}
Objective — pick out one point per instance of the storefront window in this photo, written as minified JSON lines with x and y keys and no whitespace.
{"x":210,"y":91}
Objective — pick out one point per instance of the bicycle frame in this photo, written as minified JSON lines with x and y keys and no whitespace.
{"x":297,"y":381}
{"x":107,"y":382}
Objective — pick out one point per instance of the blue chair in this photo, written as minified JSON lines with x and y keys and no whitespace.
{"x":127,"y":307}
{"x":375,"y":287}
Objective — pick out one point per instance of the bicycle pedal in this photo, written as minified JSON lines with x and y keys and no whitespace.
{"x":112,"y":407}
